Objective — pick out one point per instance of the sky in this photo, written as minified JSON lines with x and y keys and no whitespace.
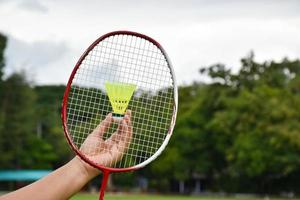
{"x":47,"y":37}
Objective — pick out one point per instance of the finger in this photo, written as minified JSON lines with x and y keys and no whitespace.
{"x":120,"y":135}
{"x":124,"y":129}
{"x":115,"y":137}
{"x":124,"y":139}
{"x":127,"y":116}
{"x":128,"y":112}
{"x":118,"y":141}
{"x":116,"y":155}
{"x":121,"y":126}
{"x":129,"y":121}
{"x":129,"y":131}
{"x":104,"y":125}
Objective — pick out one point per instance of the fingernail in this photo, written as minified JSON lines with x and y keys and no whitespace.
{"x":109,"y":116}
{"x":126,"y":117}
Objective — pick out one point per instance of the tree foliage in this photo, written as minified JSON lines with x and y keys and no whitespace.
{"x":238,"y":133}
{"x":22,"y":147}
{"x":3,"y":41}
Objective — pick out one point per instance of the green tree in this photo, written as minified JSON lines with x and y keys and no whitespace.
{"x":48,"y":111}
{"x":255,"y":127}
{"x":3,"y":41}
{"x":20,"y":145}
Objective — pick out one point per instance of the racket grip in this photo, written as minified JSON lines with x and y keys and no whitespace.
{"x":103,"y":183}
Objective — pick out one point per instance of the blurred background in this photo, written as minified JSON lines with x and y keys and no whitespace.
{"x":238,"y":69}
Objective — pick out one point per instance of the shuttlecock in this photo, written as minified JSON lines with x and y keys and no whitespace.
{"x":119,"y":95}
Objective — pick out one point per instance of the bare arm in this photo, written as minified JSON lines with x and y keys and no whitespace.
{"x":60,"y":185}
{"x":70,"y":178}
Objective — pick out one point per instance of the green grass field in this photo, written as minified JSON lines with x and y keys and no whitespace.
{"x":157,"y":197}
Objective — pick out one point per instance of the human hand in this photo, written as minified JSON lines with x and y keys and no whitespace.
{"x":107,"y":152}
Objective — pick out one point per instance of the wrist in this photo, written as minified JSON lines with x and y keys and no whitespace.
{"x":87,"y":170}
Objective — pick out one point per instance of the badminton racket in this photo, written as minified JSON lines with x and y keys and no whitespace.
{"x":120,"y":103}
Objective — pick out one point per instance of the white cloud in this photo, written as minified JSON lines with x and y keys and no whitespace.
{"x":33,"y":5}
{"x":195,"y":33}
{"x":29,"y":5}
{"x":41,"y":59}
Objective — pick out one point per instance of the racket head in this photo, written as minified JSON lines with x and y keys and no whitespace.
{"x":166,"y":91}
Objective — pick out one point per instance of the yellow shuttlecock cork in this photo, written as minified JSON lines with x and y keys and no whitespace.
{"x":119,"y":95}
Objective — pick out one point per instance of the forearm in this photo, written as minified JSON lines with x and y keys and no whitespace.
{"x":59,"y":185}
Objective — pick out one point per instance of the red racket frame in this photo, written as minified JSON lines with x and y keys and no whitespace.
{"x":105,"y":170}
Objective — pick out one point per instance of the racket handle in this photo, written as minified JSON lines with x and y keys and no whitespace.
{"x":103,"y":184}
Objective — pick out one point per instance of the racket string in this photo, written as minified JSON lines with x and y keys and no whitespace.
{"x":127,"y":60}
